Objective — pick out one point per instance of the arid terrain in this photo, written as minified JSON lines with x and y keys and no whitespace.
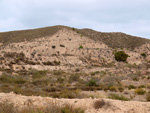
{"x":98,"y":72}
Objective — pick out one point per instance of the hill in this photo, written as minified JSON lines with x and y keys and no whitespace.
{"x":64,"y":62}
{"x":113,"y":40}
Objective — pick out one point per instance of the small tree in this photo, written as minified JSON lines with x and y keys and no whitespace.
{"x":121,"y":56}
{"x":143,"y":54}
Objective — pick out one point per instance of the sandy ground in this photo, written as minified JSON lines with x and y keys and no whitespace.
{"x":112,"y":106}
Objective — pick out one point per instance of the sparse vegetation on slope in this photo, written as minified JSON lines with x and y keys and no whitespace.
{"x":113,"y":40}
{"x":27,"y":35}
{"x":116,"y":39}
{"x":67,"y":64}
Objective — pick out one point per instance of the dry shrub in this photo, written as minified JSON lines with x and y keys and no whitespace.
{"x":140,"y":91}
{"x":100,"y":104}
{"x":148,"y":97}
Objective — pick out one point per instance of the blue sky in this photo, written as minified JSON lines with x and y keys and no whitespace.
{"x":128,"y":16}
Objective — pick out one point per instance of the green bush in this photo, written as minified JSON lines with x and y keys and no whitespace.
{"x":73,"y":29}
{"x":131,"y":87}
{"x":142,"y":86}
{"x":143,"y":54}
{"x":121,"y":56}
{"x":113,"y":88}
{"x":121,"y":89}
{"x":74,"y":78}
{"x":81,"y":47}
{"x":92,"y":83}
{"x":140,"y":91}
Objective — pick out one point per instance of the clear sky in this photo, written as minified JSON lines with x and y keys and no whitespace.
{"x":128,"y":16}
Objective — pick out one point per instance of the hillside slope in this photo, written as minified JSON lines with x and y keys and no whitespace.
{"x":19,"y":36}
{"x":113,"y":40}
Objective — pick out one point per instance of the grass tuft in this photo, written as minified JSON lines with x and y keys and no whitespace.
{"x":118,"y":97}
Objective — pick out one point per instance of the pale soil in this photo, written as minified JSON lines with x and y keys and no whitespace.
{"x":67,"y":50}
{"x":115,"y":106}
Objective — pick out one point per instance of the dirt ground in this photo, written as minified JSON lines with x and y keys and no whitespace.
{"x":110,"y":106}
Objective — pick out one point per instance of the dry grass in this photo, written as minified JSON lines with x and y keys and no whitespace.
{"x":8,"y":107}
{"x":67,"y":94}
{"x":118,"y":97}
